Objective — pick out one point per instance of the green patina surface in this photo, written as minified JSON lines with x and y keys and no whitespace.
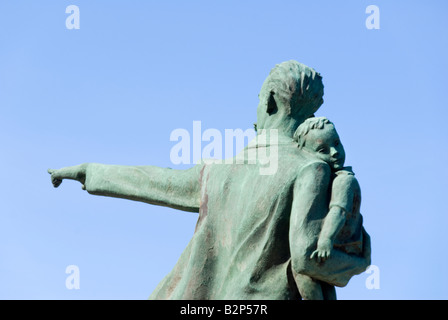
{"x":289,"y":233}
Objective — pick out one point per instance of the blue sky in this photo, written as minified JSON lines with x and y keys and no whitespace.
{"x":114,"y":90}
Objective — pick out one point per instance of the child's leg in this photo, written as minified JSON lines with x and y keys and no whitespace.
{"x":309,"y":288}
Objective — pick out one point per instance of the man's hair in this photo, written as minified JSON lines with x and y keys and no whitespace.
{"x":297,"y":87}
{"x":306,"y":126}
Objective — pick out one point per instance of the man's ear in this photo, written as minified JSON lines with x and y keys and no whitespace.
{"x":272,"y":105}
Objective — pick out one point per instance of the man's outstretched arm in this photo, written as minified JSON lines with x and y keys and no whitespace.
{"x":178,"y":189}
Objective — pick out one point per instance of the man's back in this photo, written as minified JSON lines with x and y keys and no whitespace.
{"x":240,"y":249}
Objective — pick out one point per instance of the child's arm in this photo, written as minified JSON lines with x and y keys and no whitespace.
{"x":342,"y":196}
{"x":309,"y":206}
{"x":332,"y":225}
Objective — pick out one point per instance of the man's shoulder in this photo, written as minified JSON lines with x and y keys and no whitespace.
{"x":312,"y":167}
{"x":315,"y":164}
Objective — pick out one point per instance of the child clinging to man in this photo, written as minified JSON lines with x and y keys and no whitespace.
{"x":342,"y":227}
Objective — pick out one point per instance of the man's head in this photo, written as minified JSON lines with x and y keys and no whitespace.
{"x":318,"y":136}
{"x":291,"y":93}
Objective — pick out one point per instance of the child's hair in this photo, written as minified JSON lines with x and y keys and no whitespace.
{"x":306,"y":126}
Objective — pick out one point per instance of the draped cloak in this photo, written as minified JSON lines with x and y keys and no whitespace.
{"x":241,"y":247}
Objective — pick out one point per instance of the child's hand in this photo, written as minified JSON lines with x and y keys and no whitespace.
{"x":323,"y":252}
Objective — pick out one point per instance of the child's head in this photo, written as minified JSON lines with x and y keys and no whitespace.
{"x":318,"y":136}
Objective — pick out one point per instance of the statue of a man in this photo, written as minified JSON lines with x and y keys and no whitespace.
{"x":255,"y":232}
